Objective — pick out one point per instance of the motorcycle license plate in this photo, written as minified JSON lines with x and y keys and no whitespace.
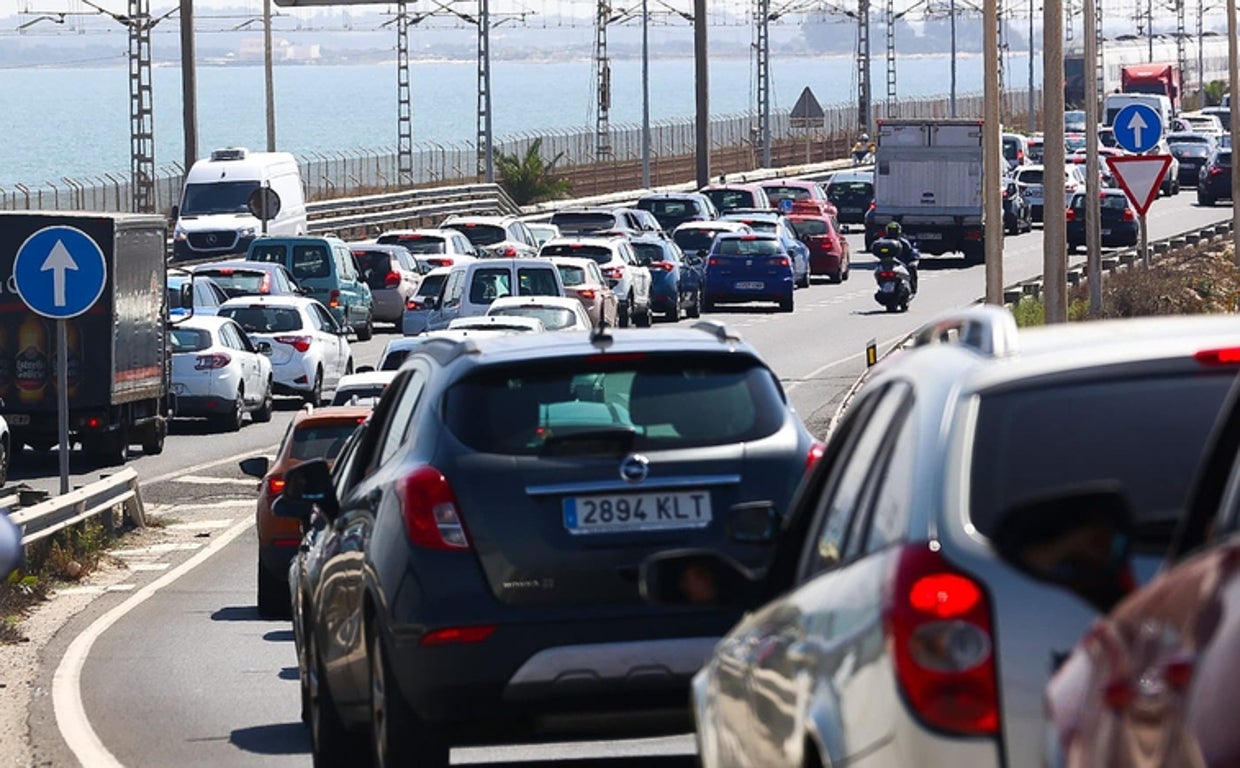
{"x":887,"y":288}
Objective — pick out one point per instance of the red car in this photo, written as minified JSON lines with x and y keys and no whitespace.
{"x":829,"y":252}
{"x":805,"y":196}
{"x":1150,"y":684}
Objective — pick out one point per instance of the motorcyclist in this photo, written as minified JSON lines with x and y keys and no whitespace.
{"x":906,"y":252}
{"x":862,"y":148}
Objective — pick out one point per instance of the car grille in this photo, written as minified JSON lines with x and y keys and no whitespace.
{"x":212,"y":240}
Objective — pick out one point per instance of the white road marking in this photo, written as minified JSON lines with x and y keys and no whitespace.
{"x":157,"y":549}
{"x":148,"y":566}
{"x":71,"y":717}
{"x":203,"y":525}
{"x":96,"y":590}
{"x":175,"y":474}
{"x":248,"y":482}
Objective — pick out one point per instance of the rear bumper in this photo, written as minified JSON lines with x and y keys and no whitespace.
{"x":825,"y":263}
{"x":389,"y":306}
{"x":202,"y":405}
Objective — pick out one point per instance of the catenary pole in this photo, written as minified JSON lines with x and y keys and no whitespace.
{"x":702,"y":93}
{"x":1233,"y":77}
{"x":1054,"y":250}
{"x":269,"y":78}
{"x":1093,"y":185}
{"x":189,"y":84}
{"x":645,"y":95}
{"x":993,"y":163}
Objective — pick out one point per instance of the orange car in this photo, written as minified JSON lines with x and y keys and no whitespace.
{"x":314,"y":433}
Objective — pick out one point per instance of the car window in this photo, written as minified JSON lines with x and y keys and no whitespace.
{"x":264,"y":319}
{"x":326,"y":323}
{"x":231,"y":337}
{"x":694,"y":239}
{"x":310,"y":261}
{"x":396,"y":425}
{"x":553,"y":318}
{"x":726,"y":199}
{"x":489,"y":284}
{"x":320,"y":440}
{"x":483,"y":234}
{"x":889,"y":516}
{"x":537,"y":281}
{"x":346,"y":268}
{"x":454,"y":288}
{"x":842,"y":496}
{"x":571,"y":275}
{"x":739,"y":246}
{"x":345,"y":472}
{"x":662,"y":401}
{"x":430,"y":285}
{"x":599,"y":253}
{"x":188,"y":339}
{"x":596,"y":275}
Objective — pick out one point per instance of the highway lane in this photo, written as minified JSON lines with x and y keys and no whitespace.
{"x":192,"y":677}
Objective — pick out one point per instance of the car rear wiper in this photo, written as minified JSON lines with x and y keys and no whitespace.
{"x":607,"y":441}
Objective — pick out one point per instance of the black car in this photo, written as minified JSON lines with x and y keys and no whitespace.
{"x":1193,"y":151}
{"x":1017,"y":213}
{"x":1214,"y":178}
{"x":675,"y":208}
{"x":1120,"y":227}
{"x":583,"y":222}
{"x":470,"y":574}
{"x":852,"y":192}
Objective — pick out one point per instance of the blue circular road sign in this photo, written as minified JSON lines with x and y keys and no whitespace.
{"x":1137,"y":128}
{"x":59,"y":272}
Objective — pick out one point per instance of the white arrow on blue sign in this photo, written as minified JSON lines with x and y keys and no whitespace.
{"x":1137,"y":128}
{"x":59,"y":272}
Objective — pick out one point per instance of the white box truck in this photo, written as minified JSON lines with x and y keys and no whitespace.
{"x":214,"y":218}
{"x":928,"y":177}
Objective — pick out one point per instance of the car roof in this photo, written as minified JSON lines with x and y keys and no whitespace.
{"x":715,"y":225}
{"x":867,"y":176}
{"x":1170,"y":137}
{"x":743,"y":186}
{"x":451,"y":221}
{"x":534,"y":301}
{"x":602,"y":242}
{"x":672,"y":196}
{"x":299,"y":302}
{"x":241,"y":265}
{"x":437,"y":271}
{"x":482,"y":321}
{"x":365,"y":379}
{"x":309,"y":415}
{"x":747,"y":236}
{"x":422,"y":232}
{"x":204,"y":322}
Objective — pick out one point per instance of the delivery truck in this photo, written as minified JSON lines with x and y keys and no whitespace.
{"x":1157,"y":78}
{"x":116,"y":363}
{"x":928,"y":177}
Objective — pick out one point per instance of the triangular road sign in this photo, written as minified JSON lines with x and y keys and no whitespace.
{"x":807,"y":107}
{"x":1140,"y":176}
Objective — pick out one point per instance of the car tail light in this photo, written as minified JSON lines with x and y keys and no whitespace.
{"x":1217,"y":171}
{"x":1005,"y":194}
{"x":1070,"y":215}
{"x":778,"y":261}
{"x":873,"y":205}
{"x":299,"y":343}
{"x":1222,"y":356}
{"x":264,"y":283}
{"x":712,"y":262}
{"x":939,"y":633}
{"x":275,"y":485}
{"x":823,"y":242}
{"x":973,"y":234}
{"x":439,"y":261}
{"x":614,"y":273}
{"x":333,"y":299}
{"x":211,"y":362}
{"x":457,"y":635}
{"x":507,"y":252}
{"x":412,"y":303}
{"x":665,"y":266}
{"x":1128,"y":215}
{"x":391,"y":280}
{"x":887,"y":274}
{"x":428,"y":506}
{"x":816,"y":450}
{"x":585,"y":293}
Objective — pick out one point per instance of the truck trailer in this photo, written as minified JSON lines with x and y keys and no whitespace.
{"x":928,"y":177}
{"x":116,"y":363}
{"x":1158,"y":78}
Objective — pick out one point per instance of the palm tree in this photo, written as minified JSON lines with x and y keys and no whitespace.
{"x":530,"y":179}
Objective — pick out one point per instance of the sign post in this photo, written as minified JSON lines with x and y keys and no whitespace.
{"x":59,"y":273}
{"x":1140,"y":176}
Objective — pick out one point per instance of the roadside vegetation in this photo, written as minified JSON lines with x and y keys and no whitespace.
{"x":1188,"y":281}
{"x":529,"y":178}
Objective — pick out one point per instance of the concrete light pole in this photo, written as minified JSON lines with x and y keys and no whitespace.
{"x":268,"y":77}
{"x":1054,"y":249}
{"x":1233,"y":77}
{"x":701,"y":74}
{"x":189,"y":85}
{"x":1093,"y":203}
{"x":645,"y":95}
{"x":993,"y":163}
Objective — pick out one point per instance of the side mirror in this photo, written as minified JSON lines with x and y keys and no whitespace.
{"x":364,"y":369}
{"x":698,"y":577}
{"x":186,"y":296}
{"x":1078,"y":538}
{"x":263,"y":347}
{"x":307,"y":486}
{"x":256,"y":466}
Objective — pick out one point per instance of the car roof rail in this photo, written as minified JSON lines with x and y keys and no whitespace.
{"x":446,"y":350}
{"x":987,"y":329}
{"x":717,"y":329}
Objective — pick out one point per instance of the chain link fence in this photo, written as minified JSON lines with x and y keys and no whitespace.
{"x":362,"y":171}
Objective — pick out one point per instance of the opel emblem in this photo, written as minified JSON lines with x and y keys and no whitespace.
{"x":634,"y":468}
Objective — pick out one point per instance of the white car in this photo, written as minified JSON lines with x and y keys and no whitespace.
{"x":543,"y":231}
{"x":496,"y":323}
{"x":362,"y":388}
{"x":217,"y":372}
{"x":418,"y":307}
{"x":309,"y":351}
{"x":397,"y":350}
{"x":620,"y":265}
{"x":556,"y":314}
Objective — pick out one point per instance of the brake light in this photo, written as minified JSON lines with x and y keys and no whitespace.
{"x":457,"y":635}
{"x":226,"y":271}
{"x":1070,"y":215}
{"x":939,"y":631}
{"x":413,"y":304}
{"x":428,"y":507}
{"x":1128,"y":215}
{"x":816,"y":450}
{"x":585,"y":293}
{"x":665,"y":266}
{"x":391,"y":280}
{"x":873,"y":205}
{"x":1217,"y":171}
{"x":211,"y":362}
{"x":614,"y":273}
{"x":299,"y":343}
{"x":94,"y":422}
{"x":275,"y":485}
{"x":712,"y":262}
{"x":778,"y":261}
{"x":333,"y":299}
{"x":439,"y":261}
{"x":887,"y":274}
{"x":1224,"y":356}
{"x":509,"y":252}
{"x":824,"y":242}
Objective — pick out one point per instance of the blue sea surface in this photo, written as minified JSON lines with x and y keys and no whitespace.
{"x":74,"y":122}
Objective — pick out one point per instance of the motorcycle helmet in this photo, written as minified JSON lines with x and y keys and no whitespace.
{"x":864,"y":137}
{"x":894,"y":229}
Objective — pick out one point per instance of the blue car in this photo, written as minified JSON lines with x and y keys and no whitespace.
{"x":748,"y":267}
{"x":207,"y":295}
{"x":675,"y":280}
{"x":778,"y":224}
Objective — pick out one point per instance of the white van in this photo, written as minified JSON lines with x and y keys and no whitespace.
{"x":1155,"y":101}
{"x":214,"y":218}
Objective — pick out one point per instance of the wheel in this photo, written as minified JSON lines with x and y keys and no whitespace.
{"x":643,"y":319}
{"x":804,"y":281}
{"x":348,"y":367}
{"x":111,"y":449}
{"x":1175,"y":187}
{"x":695,"y":309}
{"x":368,"y":329}
{"x":708,"y":305}
{"x":331,"y":742}
{"x":4,"y":463}
{"x":673,"y":314}
{"x":1205,"y":200}
{"x":263,"y":414}
{"x":153,"y":437}
{"x":837,"y":276}
{"x":398,"y":737}
{"x":231,"y":421}
{"x":786,"y":305}
{"x":273,"y":598}
{"x":622,"y":313}
{"x":891,"y":307}
{"x":315,"y":395}
{"x":847,"y":269}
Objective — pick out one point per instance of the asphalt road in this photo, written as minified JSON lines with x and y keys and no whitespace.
{"x":185,"y":673}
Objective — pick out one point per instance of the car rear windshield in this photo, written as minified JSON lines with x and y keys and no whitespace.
{"x":739,"y":246}
{"x":583,"y":222}
{"x":1145,"y":432}
{"x":492,"y":283}
{"x":649,"y":253}
{"x":845,"y":192}
{"x":431,"y":284}
{"x":1106,"y":202}
{"x":237,"y":282}
{"x":264,"y":319}
{"x":1031,"y":177}
{"x":482,"y":234}
{"x":375,"y":266}
{"x":616,"y":403}
{"x":810,"y":227}
{"x":1223,"y":158}
{"x":727,"y":199}
{"x":188,"y":340}
{"x":757,"y":224}
{"x":694,"y":239}
{"x":669,"y":209}
{"x":572,"y":276}
{"x":320,"y":441}
{"x":419,"y":244}
{"x":368,"y":395}
{"x":553,"y":318}
{"x":776,"y":194}
{"x":599,"y":253}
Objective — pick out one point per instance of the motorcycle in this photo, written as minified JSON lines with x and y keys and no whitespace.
{"x":895,"y":284}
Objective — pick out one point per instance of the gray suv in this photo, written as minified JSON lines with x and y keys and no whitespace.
{"x":473,"y":574}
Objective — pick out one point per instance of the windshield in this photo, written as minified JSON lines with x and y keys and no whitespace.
{"x":553,"y":318}
{"x":583,"y":222}
{"x":856,"y":192}
{"x":419,"y":244}
{"x":481,"y":234}
{"x":322,"y":441}
{"x":694,"y":239}
{"x":745,"y":247}
{"x":431,"y":284}
{"x":571,"y":276}
{"x":236,"y":282}
{"x":599,"y":253}
{"x":217,"y":197}
{"x":727,"y":199}
{"x":188,"y":340}
{"x":264,"y":319}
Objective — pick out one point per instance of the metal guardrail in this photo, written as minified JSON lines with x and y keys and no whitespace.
{"x":45,"y":518}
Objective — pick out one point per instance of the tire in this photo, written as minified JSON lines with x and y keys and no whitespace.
{"x":837,"y":276}
{"x":273,"y":599}
{"x":263,"y":414}
{"x":412,"y":742}
{"x":847,"y":270}
{"x":367,"y":331}
{"x":315,"y":395}
{"x":332,"y":744}
{"x":112,"y":449}
{"x":153,"y":437}
{"x":694,"y":310}
{"x":708,"y":305}
{"x":348,"y":367}
{"x":673,"y":314}
{"x":803,"y":282}
{"x":786,"y":305}
{"x":891,"y":307}
{"x":643,"y":320}
{"x":231,"y":421}
{"x":4,"y":462}
{"x":1205,"y":200}
{"x":623,"y":311}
